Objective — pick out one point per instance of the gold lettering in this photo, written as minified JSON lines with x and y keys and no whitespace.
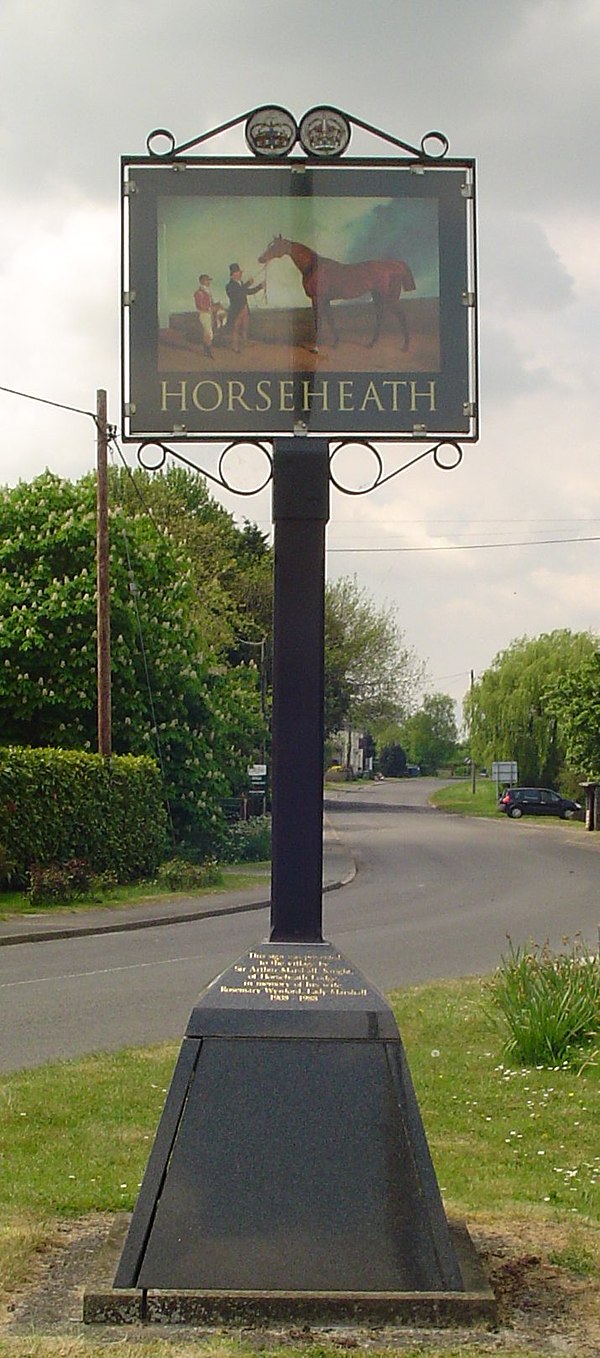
{"x":345,"y":395}
{"x":394,"y":383}
{"x":263,"y":389}
{"x":372,"y":394}
{"x":286,"y":394}
{"x":305,"y":979}
{"x":308,"y":393}
{"x":236,"y":395}
{"x":425,"y":395}
{"x":218,"y":394}
{"x":180,"y":395}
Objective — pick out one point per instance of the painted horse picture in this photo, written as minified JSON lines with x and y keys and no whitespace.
{"x":327,"y":280}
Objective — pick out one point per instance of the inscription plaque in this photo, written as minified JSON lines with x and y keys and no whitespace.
{"x":290,"y":989}
{"x":306,"y":978}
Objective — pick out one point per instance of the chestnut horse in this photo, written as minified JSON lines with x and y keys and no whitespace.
{"x":326,"y":281}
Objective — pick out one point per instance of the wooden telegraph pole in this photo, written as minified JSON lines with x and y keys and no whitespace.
{"x":103,"y":598}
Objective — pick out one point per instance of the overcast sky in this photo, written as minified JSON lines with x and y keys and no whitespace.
{"x":513,"y":83}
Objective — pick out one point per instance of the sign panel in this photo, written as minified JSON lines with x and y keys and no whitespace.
{"x":505,"y":771}
{"x":298,"y":297}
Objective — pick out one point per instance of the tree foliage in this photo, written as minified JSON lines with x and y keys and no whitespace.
{"x":171,"y":696}
{"x":574,"y":700}
{"x":231,"y":567}
{"x":371,"y":674}
{"x":507,"y":712}
{"x":430,"y":735}
{"x":392,"y":761}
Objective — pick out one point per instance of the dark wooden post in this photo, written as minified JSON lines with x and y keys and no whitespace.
{"x":300,"y":515}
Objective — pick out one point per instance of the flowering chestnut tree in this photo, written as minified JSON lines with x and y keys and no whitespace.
{"x":172,"y":696}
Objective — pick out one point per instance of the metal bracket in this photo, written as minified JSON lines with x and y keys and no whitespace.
{"x":446,"y":454}
{"x":152,"y":455}
{"x":434,"y":146}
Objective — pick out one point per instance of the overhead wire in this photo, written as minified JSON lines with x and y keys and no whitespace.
{"x":43,"y":400}
{"x":471,"y":546}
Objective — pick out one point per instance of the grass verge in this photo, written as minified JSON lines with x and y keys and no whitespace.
{"x":233,"y":878}
{"x":460,"y":797}
{"x":513,"y":1146}
{"x":75,"y":1137}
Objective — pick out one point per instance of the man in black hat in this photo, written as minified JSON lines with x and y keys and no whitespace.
{"x":238,"y":293}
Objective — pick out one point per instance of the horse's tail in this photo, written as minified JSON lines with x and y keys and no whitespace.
{"x":401,"y":280}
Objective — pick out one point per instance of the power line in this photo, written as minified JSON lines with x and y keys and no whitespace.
{"x":43,"y":400}
{"x":470,"y":546}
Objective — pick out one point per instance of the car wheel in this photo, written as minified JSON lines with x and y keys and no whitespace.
{"x":515,"y":812}
{"x":568,"y":814}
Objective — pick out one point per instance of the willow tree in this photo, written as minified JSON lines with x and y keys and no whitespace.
{"x":507,"y":713}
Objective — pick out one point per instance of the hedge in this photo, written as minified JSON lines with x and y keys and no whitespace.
{"x":57,"y":805}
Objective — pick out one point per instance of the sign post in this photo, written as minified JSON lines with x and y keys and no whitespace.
{"x":300,"y":514}
{"x":290,"y":1176}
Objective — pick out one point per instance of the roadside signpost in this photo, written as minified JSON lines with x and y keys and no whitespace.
{"x":290,"y":1176}
{"x":505,"y":772}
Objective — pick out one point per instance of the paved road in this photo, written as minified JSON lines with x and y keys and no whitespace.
{"x":435,"y":895}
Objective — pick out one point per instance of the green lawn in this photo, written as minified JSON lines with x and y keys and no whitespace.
{"x":75,"y":1136}
{"x":513,"y":1146}
{"x":237,"y":877}
{"x":459,"y":796}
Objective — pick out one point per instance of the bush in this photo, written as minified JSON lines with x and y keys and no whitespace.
{"x":180,"y":875}
{"x":7,"y":867}
{"x":249,"y":841}
{"x":61,"y":805}
{"x":392,"y":761}
{"x":546,"y":1004}
{"x":59,"y":882}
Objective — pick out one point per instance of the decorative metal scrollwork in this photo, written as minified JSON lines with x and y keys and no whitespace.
{"x":155,"y":143}
{"x":272,"y":132}
{"x":381,"y":479}
{"x":146,"y":458}
{"x":154,"y":461}
{"x":152,"y":455}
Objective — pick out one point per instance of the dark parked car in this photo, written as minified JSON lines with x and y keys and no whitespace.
{"x":537,"y":801}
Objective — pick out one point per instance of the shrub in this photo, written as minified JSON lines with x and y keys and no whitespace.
{"x":180,"y":875}
{"x":249,"y":841}
{"x":392,"y":761}
{"x":59,"y":882}
{"x":546,"y":1004}
{"x":7,"y":867}
{"x":58,"y":805}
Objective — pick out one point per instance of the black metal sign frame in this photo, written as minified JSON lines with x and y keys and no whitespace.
{"x":396,"y":362}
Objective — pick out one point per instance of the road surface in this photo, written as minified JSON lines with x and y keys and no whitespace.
{"x":435,"y":895}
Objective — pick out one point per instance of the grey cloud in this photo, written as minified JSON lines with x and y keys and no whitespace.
{"x":518,"y":265}
{"x":83,"y":83}
{"x":504,"y":371}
